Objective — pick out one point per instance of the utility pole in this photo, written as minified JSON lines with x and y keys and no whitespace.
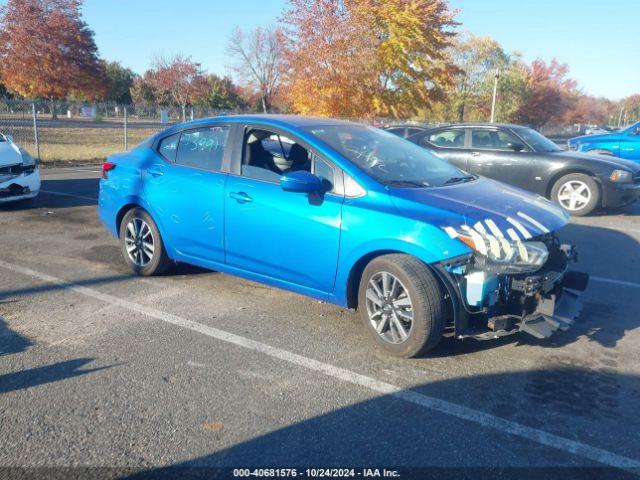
{"x":34,"y":113}
{"x":126,"y":133}
{"x":620,"y":116}
{"x":495,"y":94}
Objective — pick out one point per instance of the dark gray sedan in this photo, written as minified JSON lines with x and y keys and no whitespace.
{"x":520,"y":156}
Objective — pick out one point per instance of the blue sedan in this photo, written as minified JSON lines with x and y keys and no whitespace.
{"x":623,"y":144}
{"x":350,"y":215}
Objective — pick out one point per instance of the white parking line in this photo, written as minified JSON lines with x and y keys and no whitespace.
{"x":614,"y":281}
{"x":51,"y":192}
{"x":464,"y":413}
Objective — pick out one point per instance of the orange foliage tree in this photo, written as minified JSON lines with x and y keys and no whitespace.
{"x":178,"y":80}
{"x":549,"y":94}
{"x":47,"y":51}
{"x":367,"y":58}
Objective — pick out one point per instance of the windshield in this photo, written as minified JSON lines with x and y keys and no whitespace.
{"x":388,"y":158}
{"x":538,"y":142}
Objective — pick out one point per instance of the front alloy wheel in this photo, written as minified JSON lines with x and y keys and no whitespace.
{"x":402,"y":305}
{"x":389,"y":308}
{"x":576,"y":193}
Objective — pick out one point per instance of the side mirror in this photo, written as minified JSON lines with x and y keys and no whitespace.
{"x":516,"y":147}
{"x":301,"y":181}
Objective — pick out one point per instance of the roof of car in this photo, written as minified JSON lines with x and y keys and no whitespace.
{"x":481,"y":124}
{"x":291,"y":121}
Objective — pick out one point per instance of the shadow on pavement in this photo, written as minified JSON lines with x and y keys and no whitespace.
{"x":419,"y":427}
{"x":51,"y":287}
{"x":79,"y":192}
{"x":42,"y":375}
{"x":10,"y":341}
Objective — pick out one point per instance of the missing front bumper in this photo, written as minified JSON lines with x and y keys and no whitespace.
{"x":556,"y":309}
{"x":553,"y":314}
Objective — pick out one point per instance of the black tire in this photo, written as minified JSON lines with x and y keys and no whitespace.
{"x":560,"y":189}
{"x":427,"y":300}
{"x":159,"y":262}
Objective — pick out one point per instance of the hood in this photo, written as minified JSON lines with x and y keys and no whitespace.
{"x":9,"y":154}
{"x":606,"y":161}
{"x":482,"y":203}
{"x":595,"y":138}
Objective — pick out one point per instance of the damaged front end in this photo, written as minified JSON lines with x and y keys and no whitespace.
{"x":19,"y":182}
{"x":506,"y":286}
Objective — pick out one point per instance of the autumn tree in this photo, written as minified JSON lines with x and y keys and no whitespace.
{"x":549,"y":91}
{"x":143,"y":91}
{"x":48,"y":51}
{"x":367,"y":57}
{"x":586,"y":109}
{"x":258,"y":61}
{"x":478,"y":60}
{"x":178,"y":80}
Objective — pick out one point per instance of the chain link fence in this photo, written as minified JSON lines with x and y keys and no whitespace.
{"x":65,"y":132}
{"x":76,"y":133}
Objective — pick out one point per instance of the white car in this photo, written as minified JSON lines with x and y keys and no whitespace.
{"x":19,"y":174}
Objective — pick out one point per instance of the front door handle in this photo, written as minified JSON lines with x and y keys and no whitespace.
{"x":155,"y":172}
{"x":241,"y":197}
{"x":475,"y":154}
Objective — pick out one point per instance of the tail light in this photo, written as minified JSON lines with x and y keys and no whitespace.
{"x":106,"y":168}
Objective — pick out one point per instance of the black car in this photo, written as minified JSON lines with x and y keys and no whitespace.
{"x":405,"y":131}
{"x":520,"y":156}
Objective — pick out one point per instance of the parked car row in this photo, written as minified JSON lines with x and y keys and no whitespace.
{"x":622,"y":144}
{"x":520,"y":156}
{"x":351,"y":215}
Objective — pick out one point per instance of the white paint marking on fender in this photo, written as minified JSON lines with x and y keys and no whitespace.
{"x":480,"y":228}
{"x":459,"y":411}
{"x":523,"y":231}
{"x":513,"y":235}
{"x":494,"y":228}
{"x":533,"y":221}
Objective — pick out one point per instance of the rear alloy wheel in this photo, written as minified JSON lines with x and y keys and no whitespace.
{"x":577,"y":193}
{"x":142,"y":245}
{"x":402,"y":305}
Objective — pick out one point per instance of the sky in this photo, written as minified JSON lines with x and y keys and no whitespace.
{"x":598,"y":39}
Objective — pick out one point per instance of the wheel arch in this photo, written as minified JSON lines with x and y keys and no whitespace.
{"x":568,"y":171}
{"x":355,"y":274}
{"x":122,"y":212}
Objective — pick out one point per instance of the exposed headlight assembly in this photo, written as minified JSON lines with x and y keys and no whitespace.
{"x":27,"y":160}
{"x":621,"y":176}
{"x":501,"y":255}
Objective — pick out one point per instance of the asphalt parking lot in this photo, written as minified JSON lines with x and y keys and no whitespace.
{"x":198,"y":368}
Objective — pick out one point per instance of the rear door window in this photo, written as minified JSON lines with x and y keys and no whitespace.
{"x":203,"y":147}
{"x":451,"y":138}
{"x":169,"y":147}
{"x":492,"y":139}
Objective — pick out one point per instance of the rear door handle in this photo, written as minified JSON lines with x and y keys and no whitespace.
{"x":155,"y":172}
{"x":241,"y":197}
{"x":475,"y":154}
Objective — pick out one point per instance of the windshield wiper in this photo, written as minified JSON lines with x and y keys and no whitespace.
{"x":465,"y":178}
{"x":407,"y":183}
